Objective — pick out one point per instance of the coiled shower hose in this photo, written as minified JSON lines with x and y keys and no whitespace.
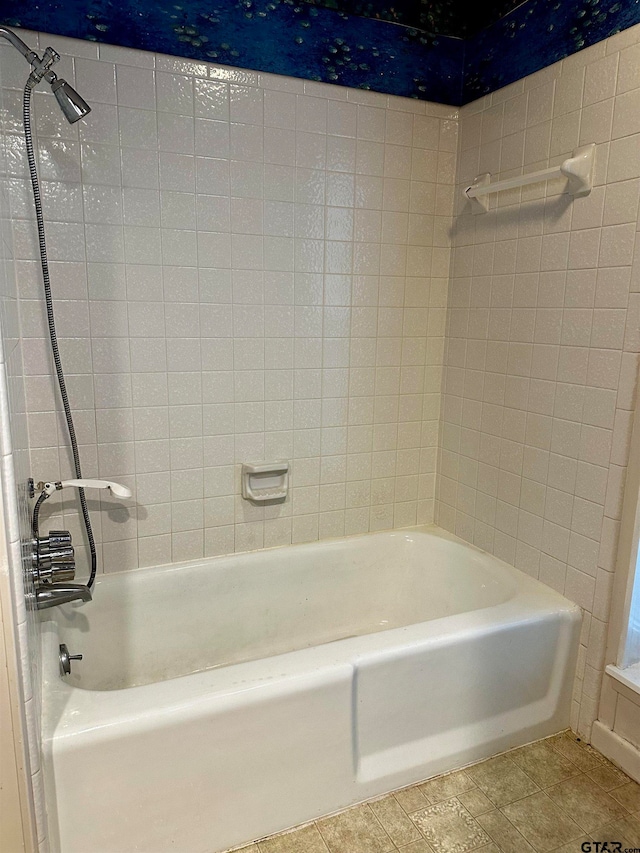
{"x":44,"y":263}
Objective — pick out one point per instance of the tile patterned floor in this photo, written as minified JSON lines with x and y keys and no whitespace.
{"x":552,"y":795}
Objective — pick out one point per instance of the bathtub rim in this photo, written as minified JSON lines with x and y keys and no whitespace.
{"x":429,"y":529}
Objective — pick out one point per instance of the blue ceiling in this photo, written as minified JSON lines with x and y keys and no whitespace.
{"x":447,"y":51}
{"x":456,"y":18}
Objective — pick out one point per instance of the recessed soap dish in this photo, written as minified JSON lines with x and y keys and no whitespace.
{"x":265,"y":481}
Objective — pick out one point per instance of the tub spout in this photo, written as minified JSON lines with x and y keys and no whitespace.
{"x":51,"y":595}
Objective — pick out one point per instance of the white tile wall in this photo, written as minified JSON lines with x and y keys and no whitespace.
{"x":14,"y":504}
{"x":246,"y":267}
{"x":251,"y":267}
{"x":542,"y":337}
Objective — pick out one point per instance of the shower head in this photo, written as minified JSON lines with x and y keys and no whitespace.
{"x":72,"y":105}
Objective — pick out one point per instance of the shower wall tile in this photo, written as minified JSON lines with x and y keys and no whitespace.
{"x":20,"y":622}
{"x":541,"y":354}
{"x":246,"y":267}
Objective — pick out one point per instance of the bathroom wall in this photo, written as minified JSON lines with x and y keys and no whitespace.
{"x":19,"y":643}
{"x":619,"y":717}
{"x":543,"y":336}
{"x":246,"y":267}
{"x":289,"y":301}
{"x":11,"y":830}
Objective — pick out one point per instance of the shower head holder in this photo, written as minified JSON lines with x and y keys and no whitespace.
{"x":116,"y":489}
{"x":40,"y":67}
{"x":73,"y":106}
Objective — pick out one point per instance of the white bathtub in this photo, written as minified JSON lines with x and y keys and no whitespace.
{"x":224,"y":700}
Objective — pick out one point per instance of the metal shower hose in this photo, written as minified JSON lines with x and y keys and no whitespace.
{"x":35,"y":184}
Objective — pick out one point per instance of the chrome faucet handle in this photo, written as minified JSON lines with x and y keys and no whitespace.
{"x":57,"y":543}
{"x":56,"y":539}
{"x":53,"y":558}
{"x":57,"y":573}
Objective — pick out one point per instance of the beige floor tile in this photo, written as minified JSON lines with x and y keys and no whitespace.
{"x":608,"y":777}
{"x":573,"y":846}
{"x":582,"y":755}
{"x":626,"y":830}
{"x":354,"y":831}
{"x":606,"y":763}
{"x":449,"y":828}
{"x":475,"y":802}
{"x":545,"y":765}
{"x":305,"y":840}
{"x":628,"y":795}
{"x":502,"y":780}
{"x":416,"y":847}
{"x":503,"y":832}
{"x":443,"y":787}
{"x":586,"y":802}
{"x":541,"y":822}
{"x":411,"y":799}
{"x":456,"y":813}
{"x":394,"y":821}
{"x":630,"y":829}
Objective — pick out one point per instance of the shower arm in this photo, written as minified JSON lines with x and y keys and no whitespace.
{"x":25,"y":50}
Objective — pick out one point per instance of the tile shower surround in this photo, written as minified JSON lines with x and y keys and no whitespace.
{"x":543,"y":333}
{"x":322,"y":369}
{"x":509,"y":464}
{"x":20,"y":624}
{"x":245,"y":267}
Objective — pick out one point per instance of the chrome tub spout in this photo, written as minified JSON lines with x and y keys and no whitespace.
{"x":51,"y":595}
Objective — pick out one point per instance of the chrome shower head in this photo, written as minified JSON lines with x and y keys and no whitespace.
{"x":72,"y":105}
